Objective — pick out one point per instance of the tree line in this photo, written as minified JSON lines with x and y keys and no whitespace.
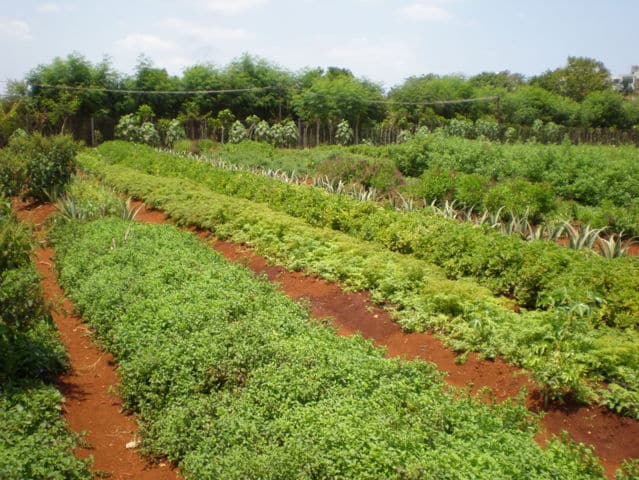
{"x":72,"y":94}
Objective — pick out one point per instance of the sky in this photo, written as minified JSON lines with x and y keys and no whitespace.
{"x":382,"y":40}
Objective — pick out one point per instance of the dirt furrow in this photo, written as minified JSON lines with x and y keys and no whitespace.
{"x":91,"y":403}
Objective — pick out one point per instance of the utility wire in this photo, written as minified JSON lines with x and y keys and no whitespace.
{"x":422,"y":104}
{"x":255,"y":89}
{"x":438,"y":102}
{"x":149,"y":92}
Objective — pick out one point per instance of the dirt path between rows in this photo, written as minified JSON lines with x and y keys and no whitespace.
{"x":614,"y":438}
{"x":91,"y":405}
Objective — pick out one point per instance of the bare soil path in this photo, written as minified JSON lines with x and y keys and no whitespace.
{"x":91,"y":404}
{"x":614,"y":438}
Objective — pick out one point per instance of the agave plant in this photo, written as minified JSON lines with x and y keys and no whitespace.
{"x":516,"y":226}
{"x":70,"y":209}
{"x":614,"y":246}
{"x":544,"y":231}
{"x":584,"y":237}
{"x":401,"y":203}
{"x":449,"y":209}
{"x":492,"y":219}
{"x":467,"y":215}
{"x":127,"y":212}
{"x":362,"y":194}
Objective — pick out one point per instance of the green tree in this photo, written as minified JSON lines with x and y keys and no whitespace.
{"x":604,"y":109}
{"x":580,"y":77}
{"x":338,"y":95}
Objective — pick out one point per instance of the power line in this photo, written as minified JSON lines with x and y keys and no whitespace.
{"x":439,"y":102}
{"x":149,"y":92}
{"x":421,"y":104}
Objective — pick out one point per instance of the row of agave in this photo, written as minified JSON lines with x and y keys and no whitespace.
{"x":577,"y":237}
{"x":70,"y":208}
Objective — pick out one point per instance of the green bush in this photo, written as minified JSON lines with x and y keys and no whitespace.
{"x":521,"y":198}
{"x":380,"y":174}
{"x":471,"y":189}
{"x":434,"y":185}
{"x":50,"y":166}
{"x":37,"y":166}
{"x":12,"y":173}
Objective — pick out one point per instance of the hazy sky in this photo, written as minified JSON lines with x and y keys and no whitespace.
{"x":383,"y":40}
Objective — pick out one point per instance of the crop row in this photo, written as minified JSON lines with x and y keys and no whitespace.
{"x":231,"y":379}
{"x":565,"y":350}
{"x":34,"y":440}
{"x":536,"y":274}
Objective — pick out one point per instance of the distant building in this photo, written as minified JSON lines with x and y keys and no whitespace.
{"x":627,"y":82}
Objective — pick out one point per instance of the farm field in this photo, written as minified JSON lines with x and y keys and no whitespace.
{"x":564,"y":348}
{"x":219,"y":365}
{"x":591,"y":184}
{"x":252,"y":391}
{"x":215,"y":265}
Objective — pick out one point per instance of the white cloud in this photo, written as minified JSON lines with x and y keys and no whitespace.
{"x":141,"y":42}
{"x":14,"y":29}
{"x":166,"y":53}
{"x":372,"y":58}
{"x":203,"y":33}
{"x":231,"y":7}
{"x":425,"y":11}
{"x":49,"y":8}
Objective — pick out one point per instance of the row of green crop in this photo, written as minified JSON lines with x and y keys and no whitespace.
{"x":566,"y":351}
{"x":589,"y":175}
{"x":596,"y":185}
{"x":536,"y":274}
{"x":232,"y":380}
{"x":34,"y":440}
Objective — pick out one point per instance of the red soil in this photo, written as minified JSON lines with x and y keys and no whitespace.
{"x":614,"y":437}
{"x":91,"y":405}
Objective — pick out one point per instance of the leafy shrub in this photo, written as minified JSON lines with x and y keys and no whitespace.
{"x":470,"y":189}
{"x":132,"y":129}
{"x":521,"y":198}
{"x":488,"y":129}
{"x":171,"y":131}
{"x":434,"y":185}
{"x":377,"y":173}
{"x":262,"y":132}
{"x":284,"y":134}
{"x":37,"y":166}
{"x":50,"y":166}
{"x":344,"y":133}
{"x":12,"y":173}
{"x":238,"y":132}
{"x":461,"y":128}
